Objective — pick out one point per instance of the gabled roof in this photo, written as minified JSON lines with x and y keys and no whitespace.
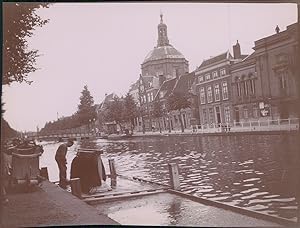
{"x":108,"y":98}
{"x":216,"y":59}
{"x":167,"y":86}
{"x":184,"y":83}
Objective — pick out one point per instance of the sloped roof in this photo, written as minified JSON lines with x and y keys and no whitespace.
{"x":107,"y":99}
{"x":218,"y":58}
{"x":184,"y":83}
{"x":167,"y":86}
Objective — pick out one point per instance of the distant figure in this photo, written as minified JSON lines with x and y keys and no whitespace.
{"x":61,"y":160}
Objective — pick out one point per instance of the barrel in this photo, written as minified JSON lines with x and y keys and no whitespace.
{"x":88,"y":166}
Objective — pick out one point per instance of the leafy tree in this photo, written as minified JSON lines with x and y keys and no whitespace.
{"x":130,"y":110}
{"x":19,"y":22}
{"x":86,"y":109}
{"x":114,"y":111}
{"x":158,"y":112}
{"x":177,"y":101}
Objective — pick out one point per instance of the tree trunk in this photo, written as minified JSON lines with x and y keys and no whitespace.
{"x":143,"y":125}
{"x":169,"y":123}
{"x":159,"y":125}
{"x":181,"y":123}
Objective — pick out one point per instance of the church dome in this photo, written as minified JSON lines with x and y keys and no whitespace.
{"x":163,"y":52}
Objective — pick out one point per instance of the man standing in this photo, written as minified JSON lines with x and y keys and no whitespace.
{"x":61,"y":160}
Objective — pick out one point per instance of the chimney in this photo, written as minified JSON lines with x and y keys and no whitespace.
{"x":237,"y":50}
{"x":277,"y":29}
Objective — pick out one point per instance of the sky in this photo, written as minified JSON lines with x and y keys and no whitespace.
{"x":102,"y":45}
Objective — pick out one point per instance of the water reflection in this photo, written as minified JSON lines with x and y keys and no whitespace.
{"x":246,"y":171}
{"x":257,"y":172}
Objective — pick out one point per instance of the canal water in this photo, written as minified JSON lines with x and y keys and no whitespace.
{"x":257,"y":172}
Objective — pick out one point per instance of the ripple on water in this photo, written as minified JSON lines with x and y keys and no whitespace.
{"x":249,"y":190}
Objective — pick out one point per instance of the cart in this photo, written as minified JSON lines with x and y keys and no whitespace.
{"x":25,"y":168}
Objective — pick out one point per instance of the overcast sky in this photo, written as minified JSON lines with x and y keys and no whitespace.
{"x":102,"y":45}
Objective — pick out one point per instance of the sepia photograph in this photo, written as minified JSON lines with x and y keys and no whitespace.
{"x":150,"y":113}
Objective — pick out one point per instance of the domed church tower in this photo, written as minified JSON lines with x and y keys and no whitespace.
{"x":164,"y":60}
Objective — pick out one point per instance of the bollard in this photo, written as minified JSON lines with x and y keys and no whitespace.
{"x":113,"y":174}
{"x":44,"y":172}
{"x":174,"y":176}
{"x":76,"y":187}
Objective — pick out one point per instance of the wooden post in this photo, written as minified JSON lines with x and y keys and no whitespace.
{"x":113,"y":173}
{"x":174,"y":176}
{"x":44,"y":172}
{"x":76,"y":187}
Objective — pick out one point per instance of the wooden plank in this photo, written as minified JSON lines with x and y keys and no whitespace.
{"x":76,"y":187}
{"x":122,"y":197}
{"x":85,"y":196}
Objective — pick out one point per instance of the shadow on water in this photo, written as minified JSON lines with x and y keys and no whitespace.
{"x":257,"y":172}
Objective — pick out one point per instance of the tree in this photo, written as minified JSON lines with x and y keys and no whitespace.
{"x":19,"y":22}
{"x":177,"y":101}
{"x":130,"y":110}
{"x":158,"y":112}
{"x":114,"y":111}
{"x":86,"y":109}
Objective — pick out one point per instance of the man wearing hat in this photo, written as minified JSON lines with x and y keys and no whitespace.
{"x":61,"y":160}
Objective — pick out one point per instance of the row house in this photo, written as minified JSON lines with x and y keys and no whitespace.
{"x":167,"y":121}
{"x":246,"y":90}
{"x":180,"y":85}
{"x":148,"y":87}
{"x":264,"y":83}
{"x":213,"y":88}
{"x":183,"y":87}
{"x":277,"y":69}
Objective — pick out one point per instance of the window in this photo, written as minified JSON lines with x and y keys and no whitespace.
{"x":209,"y":95}
{"x":145,"y":99}
{"x":204,"y":116}
{"x":207,"y":77}
{"x":238,"y":87}
{"x":148,"y":95}
{"x":223,"y":72}
{"x":282,"y":80}
{"x":225,"y":90}
{"x":202,"y":95}
{"x":227,"y":114}
{"x":255,"y":111}
{"x":252,"y":86}
{"x":217,"y":92}
{"x":211,"y":115}
{"x":246,"y":113}
{"x":215,"y":74}
{"x":245,"y":89}
{"x":200,"y":79}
